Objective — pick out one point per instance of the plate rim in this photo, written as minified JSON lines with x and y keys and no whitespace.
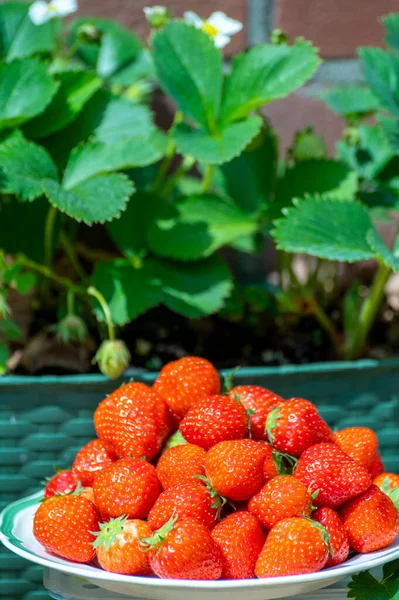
{"x":15,"y":545}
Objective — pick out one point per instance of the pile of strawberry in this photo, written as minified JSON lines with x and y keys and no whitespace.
{"x":185,"y":482}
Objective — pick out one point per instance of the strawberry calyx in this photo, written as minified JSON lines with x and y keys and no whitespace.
{"x":176,"y":439}
{"x":324,"y":534}
{"x":218,"y":501}
{"x":313,"y":496}
{"x":392,"y":493}
{"x":108,"y":532}
{"x":271,"y":423}
{"x":158,"y":537}
{"x":228,"y":379}
{"x":285,"y":463}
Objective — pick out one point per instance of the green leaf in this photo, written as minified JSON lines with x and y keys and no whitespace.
{"x":23,"y":166}
{"x":76,"y":88}
{"x":26,"y":89}
{"x":130,"y":231}
{"x":250,"y":178}
{"x":217,"y":148}
{"x":391,"y":24}
{"x":189,"y":68}
{"x":370,"y":156}
{"x":10,"y":330}
{"x":19,"y":37}
{"x":266,"y":73}
{"x":196,"y":289}
{"x":366,"y":587}
{"x":123,"y":119}
{"x":377,"y":245}
{"x":350,"y":100}
{"x":310,"y":177}
{"x":4,"y":356}
{"x":141,"y":68}
{"x":25,"y":282}
{"x":95,"y":200}
{"x":118,"y":46}
{"x":196,"y":226}
{"x":381,"y":73}
{"x":327,"y":228}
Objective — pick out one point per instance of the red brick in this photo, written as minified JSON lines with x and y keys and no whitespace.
{"x":297,"y":111}
{"x":130,"y":13}
{"x":337,"y":27}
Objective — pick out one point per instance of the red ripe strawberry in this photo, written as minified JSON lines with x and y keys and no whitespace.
{"x":64,"y":526}
{"x":128,"y":487}
{"x":338,"y":537}
{"x":360,"y":443}
{"x":184,"y":550}
{"x":293,"y":547}
{"x":235,"y":468}
{"x":258,"y":401}
{"x":371,"y":520}
{"x":236,"y":532}
{"x":63,"y":482}
{"x":335,"y":475}
{"x":270,"y":465}
{"x":213,"y":420}
{"x":117,"y":547}
{"x":135,"y":420}
{"x":181,"y":464}
{"x":387,"y":482}
{"x":91,"y":459}
{"x":280,"y":498}
{"x":185,"y":381}
{"x":187,"y":500}
{"x":295,"y":426}
{"x":377,"y":468}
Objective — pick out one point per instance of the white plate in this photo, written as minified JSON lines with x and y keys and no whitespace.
{"x":16,"y":534}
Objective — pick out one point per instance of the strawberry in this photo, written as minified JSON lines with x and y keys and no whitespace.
{"x":258,"y":401}
{"x":335,"y":475}
{"x":117,"y":546}
{"x":295,"y":426}
{"x":215,"y":419}
{"x":185,"y":381}
{"x":280,"y":498}
{"x":187,"y":500}
{"x":184,"y":550}
{"x":181,"y":464}
{"x":135,"y":420}
{"x":63,"y":482}
{"x":237,"y":531}
{"x":371,"y":520}
{"x":360,"y":443}
{"x":387,"y":482}
{"x":64,"y":526}
{"x":88,"y":493}
{"x":235,"y":468}
{"x":338,"y":537}
{"x":276,"y":463}
{"x":293,"y":547}
{"x":377,"y":467}
{"x":128,"y":487}
{"x":91,"y":459}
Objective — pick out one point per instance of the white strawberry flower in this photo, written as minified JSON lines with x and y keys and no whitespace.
{"x":40,"y":11}
{"x":219,"y":26}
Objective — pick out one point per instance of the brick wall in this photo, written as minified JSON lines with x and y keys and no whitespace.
{"x":337,"y":27}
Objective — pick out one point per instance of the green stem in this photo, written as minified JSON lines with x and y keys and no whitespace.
{"x":164,"y":167}
{"x":326,"y":323}
{"x":73,"y":49}
{"x":49,"y":235}
{"x":185,"y":166}
{"x":72,"y":256}
{"x":368,"y":313}
{"x":47,"y":272}
{"x":206,"y":182}
{"x":92,"y":291}
{"x":71,"y":303}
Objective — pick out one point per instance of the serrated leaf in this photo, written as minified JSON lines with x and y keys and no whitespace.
{"x":250,"y":178}
{"x":366,"y":587}
{"x":313,"y":176}
{"x":266,"y":73}
{"x":391,"y":24}
{"x":19,"y":37}
{"x":118,"y":46}
{"x":379,"y":248}
{"x":217,"y":148}
{"x":189,"y":68}
{"x":141,"y":68}
{"x":196,"y":226}
{"x":326,"y":228}
{"x":4,"y":356}
{"x":26,"y":89}
{"x":123,"y":119}
{"x":23,"y":166}
{"x":96,"y":200}
{"x":350,"y":100}
{"x":75,"y":89}
{"x":370,"y":156}
{"x":196,"y":289}
{"x":130,"y":231}
{"x":381,"y":73}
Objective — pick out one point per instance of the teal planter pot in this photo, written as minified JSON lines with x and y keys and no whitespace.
{"x":45,"y":420}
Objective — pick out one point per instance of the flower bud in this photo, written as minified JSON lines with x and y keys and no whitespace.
{"x":157,"y":16}
{"x":278,"y":37}
{"x":89,"y":34}
{"x":71,"y":329}
{"x":112,"y":358}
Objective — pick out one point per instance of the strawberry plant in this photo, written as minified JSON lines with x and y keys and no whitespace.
{"x":80,"y":149}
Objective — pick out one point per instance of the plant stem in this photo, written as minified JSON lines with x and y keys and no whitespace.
{"x":73,"y":258}
{"x":92,"y":291}
{"x":185,"y":166}
{"x":326,"y":323}
{"x":70,"y":303}
{"x":49,"y":235}
{"x":368,"y":313}
{"x":164,"y":167}
{"x":206,"y":182}
{"x":47,"y":272}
